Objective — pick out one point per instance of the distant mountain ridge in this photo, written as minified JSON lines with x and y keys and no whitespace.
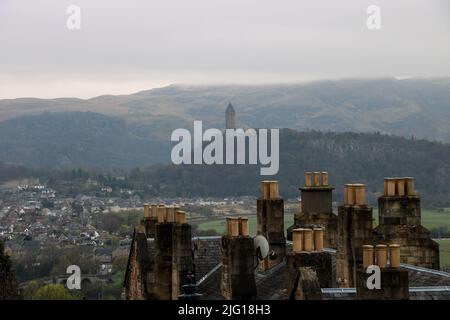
{"x":410,"y":107}
{"x":71,"y":139}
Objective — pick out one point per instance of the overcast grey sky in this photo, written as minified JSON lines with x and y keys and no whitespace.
{"x":132,"y":45}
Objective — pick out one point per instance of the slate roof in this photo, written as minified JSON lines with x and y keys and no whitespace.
{"x":207,"y":254}
{"x":415,"y":293}
{"x":270,"y":285}
{"x":423,"y":277}
{"x":425,"y":284}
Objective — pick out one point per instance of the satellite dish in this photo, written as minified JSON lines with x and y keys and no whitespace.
{"x":261,"y":247}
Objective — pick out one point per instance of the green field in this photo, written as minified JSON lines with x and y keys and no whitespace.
{"x":434,"y":218}
{"x":219,"y":225}
{"x":430,"y":219}
{"x":444,"y":249}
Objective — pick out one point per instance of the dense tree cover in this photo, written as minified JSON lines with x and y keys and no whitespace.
{"x":119,"y":223}
{"x":8,"y":284}
{"x":107,"y":290}
{"x":348,"y":157}
{"x":440,"y":232}
{"x":54,"y":292}
{"x":76,"y":139}
{"x":52,"y":261}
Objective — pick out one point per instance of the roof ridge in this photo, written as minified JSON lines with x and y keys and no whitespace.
{"x":427,"y":270}
{"x":206,"y":276}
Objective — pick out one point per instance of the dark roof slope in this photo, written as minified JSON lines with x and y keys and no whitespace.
{"x":207,"y":254}
{"x":270,"y":285}
{"x":423,"y":277}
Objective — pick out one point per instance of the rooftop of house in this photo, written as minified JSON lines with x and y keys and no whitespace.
{"x":425,"y":284}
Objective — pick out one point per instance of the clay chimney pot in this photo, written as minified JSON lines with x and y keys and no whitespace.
{"x":381,"y":253}
{"x":367,"y":256}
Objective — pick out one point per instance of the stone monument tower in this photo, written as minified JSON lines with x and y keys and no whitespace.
{"x":230,"y":117}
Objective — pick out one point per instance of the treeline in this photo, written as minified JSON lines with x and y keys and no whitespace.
{"x":348,"y":157}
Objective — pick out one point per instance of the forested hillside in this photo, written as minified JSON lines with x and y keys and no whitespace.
{"x":108,"y":148}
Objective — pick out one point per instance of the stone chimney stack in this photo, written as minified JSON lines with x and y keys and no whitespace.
{"x":270,"y":223}
{"x":307,"y":251}
{"x":316,"y":208}
{"x":400,"y":203}
{"x":160,"y":261}
{"x":182,"y":264}
{"x":400,"y":222}
{"x":173,"y":258}
{"x":163,"y":257}
{"x":238,"y":253}
{"x":394,"y":282}
{"x":354,"y":231}
{"x":150,"y":220}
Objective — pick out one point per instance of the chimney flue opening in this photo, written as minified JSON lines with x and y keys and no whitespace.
{"x":308,"y":180}
{"x":154,"y":211}
{"x":169,"y":214}
{"x":325,"y":181}
{"x":409,"y":186}
{"x":265,"y":189}
{"x":360,"y":194}
{"x":316,"y":178}
{"x":367,"y":256}
{"x":381,"y":253}
{"x":308,"y":240}
{"x":146,"y":211}
{"x":269,"y":190}
{"x":161,"y":213}
{"x":394,"y":255}
{"x":232,"y":227}
{"x":354,"y":194}
{"x":274,"y":193}
{"x":318,"y":239}
{"x":297,"y":240}
{"x":180,"y":217}
{"x":243,"y":227}
{"x":399,"y":187}
{"x":349,"y":194}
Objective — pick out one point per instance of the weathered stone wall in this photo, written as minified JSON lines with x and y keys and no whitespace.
{"x":399,"y":210}
{"x":354,"y":231}
{"x":182,"y":257}
{"x":207,"y":254}
{"x":238,"y":275}
{"x":326,"y":220}
{"x":306,"y":286}
{"x":320,"y":262}
{"x":135,"y":288}
{"x":400,"y":222}
{"x":394,"y":285}
{"x":270,"y":224}
{"x":139,"y":265}
{"x":316,"y":210}
{"x":151,"y":269}
{"x":150,"y":224}
{"x":163,"y":261}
